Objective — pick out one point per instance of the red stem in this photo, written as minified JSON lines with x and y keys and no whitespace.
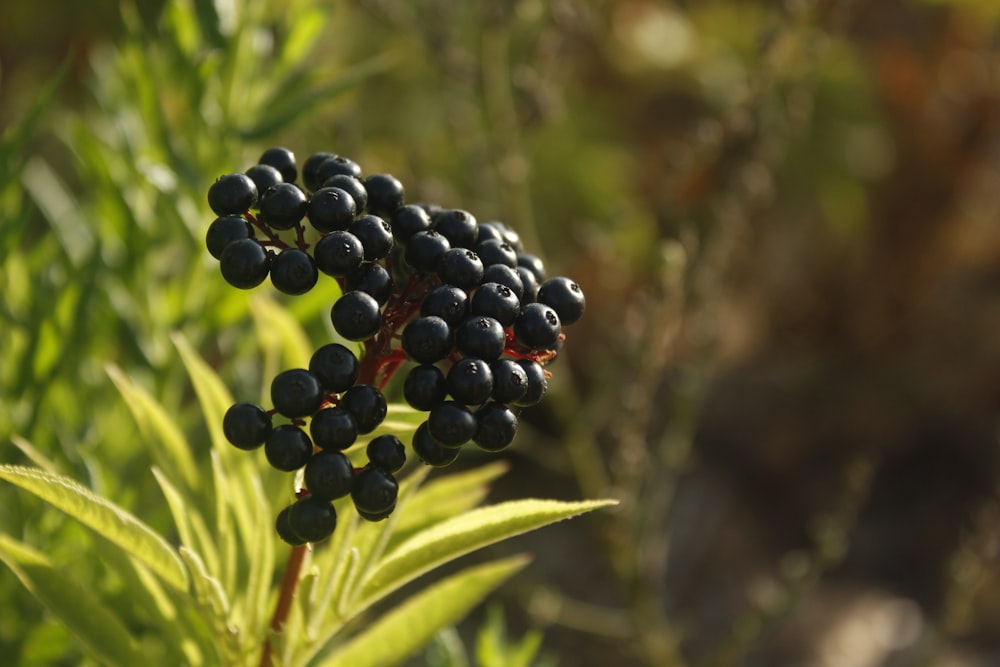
{"x":286,"y":596}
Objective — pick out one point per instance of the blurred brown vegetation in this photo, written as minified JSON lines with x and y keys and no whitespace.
{"x":786,"y":219}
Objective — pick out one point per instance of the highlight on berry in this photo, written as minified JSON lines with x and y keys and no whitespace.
{"x":458,"y":308}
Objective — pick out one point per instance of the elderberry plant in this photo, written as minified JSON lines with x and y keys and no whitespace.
{"x":460,"y":307}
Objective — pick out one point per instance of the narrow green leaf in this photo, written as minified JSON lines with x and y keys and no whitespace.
{"x":461,"y":534}
{"x":103,"y":516}
{"x":36,"y":457}
{"x":402,"y":631}
{"x":99,"y":630}
{"x":155,"y":421}
{"x":215,"y":399}
{"x":189,"y":522}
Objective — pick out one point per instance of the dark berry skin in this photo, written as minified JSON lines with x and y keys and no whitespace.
{"x":537,"y":327}
{"x":496,"y":301}
{"x":244,"y":263}
{"x":504,"y":275}
{"x":386,"y":452}
{"x":424,"y":387}
{"x":529,"y":283}
{"x":460,"y":267}
{"x":496,"y":426}
{"x":501,"y":231}
{"x":246,"y":425}
{"x":430,"y":451}
{"x":537,"y":383}
{"x":448,"y":302}
{"x":293,"y":271}
{"x":330,"y":209}
{"x":336,"y":165}
{"x":480,"y":336}
{"x":510,"y":381}
{"x":424,"y":250}
{"x":264,"y":176}
{"x":488,"y":231}
{"x":281,"y":159}
{"x":338,"y":253}
{"x":312,"y":519}
{"x":288,"y":448}
{"x":495,"y":251}
{"x":333,"y":428}
{"x":375,"y":234}
{"x":232,"y":194}
{"x":283,"y":206}
{"x":356,"y":316}
{"x":470,"y":381}
{"x":224,"y":230}
{"x":375,"y":490}
{"x":452,"y":424}
{"x":426,"y":340}
{"x":377,"y":516}
{"x":458,"y":226}
{"x":534,"y":264}
{"x":284,"y":529}
{"x":335,"y":366}
{"x":296,"y":393}
{"x":565,"y":297}
{"x":329,"y":475}
{"x":371,"y":278}
{"x":385,"y":194}
{"x":407,"y":221}
{"x":310,"y":170}
{"x":352,"y":186}
{"x":366,"y":404}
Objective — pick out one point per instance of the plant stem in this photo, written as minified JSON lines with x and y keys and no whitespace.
{"x":289,"y":585}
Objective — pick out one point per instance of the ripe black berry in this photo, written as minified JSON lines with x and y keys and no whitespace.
{"x":244,"y":263}
{"x":460,"y":267}
{"x":293,"y":271}
{"x":246,"y":425}
{"x":330,"y":209}
{"x":329,"y":475}
{"x":424,"y":250}
{"x":480,"y":336}
{"x":385,"y":194}
{"x":375,"y":491}
{"x":426,"y":340}
{"x":350,"y":185}
{"x":375,"y":234}
{"x":224,"y":230}
{"x":496,"y":427}
{"x":356,"y":316}
{"x":371,"y":278}
{"x":430,"y":451}
{"x":452,"y":424}
{"x":534,"y":264}
{"x":310,"y":170}
{"x":448,"y":302}
{"x":510,"y":381}
{"x":232,"y":194}
{"x":496,"y":251}
{"x":333,"y":428}
{"x":408,"y":220}
{"x":496,"y":301}
{"x":296,"y":393}
{"x":456,"y":225}
{"x":336,"y":165}
{"x":281,"y":159}
{"x":504,"y":275}
{"x":312,"y":519}
{"x":283,"y":206}
{"x":335,"y":366}
{"x":366,"y":404}
{"x":537,"y":383}
{"x":565,"y":297}
{"x":537,"y":327}
{"x":386,"y":452}
{"x":424,"y":387}
{"x":288,"y":448}
{"x":338,"y":253}
{"x":284,"y":529}
{"x":470,"y":381}
{"x":264,"y":176}
{"x":529,"y":284}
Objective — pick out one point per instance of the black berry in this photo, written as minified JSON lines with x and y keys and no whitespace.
{"x":366,"y":404}
{"x":458,"y":226}
{"x":424,"y":250}
{"x":329,"y":475}
{"x":430,"y":451}
{"x":296,"y":393}
{"x":337,"y":165}
{"x":496,"y":426}
{"x":335,"y":366}
{"x":371,"y":278}
{"x":310,"y":170}
{"x":385,"y":194}
{"x":452,"y":424}
{"x":375,"y":234}
{"x":333,"y":428}
{"x":426,"y":340}
{"x":510,"y":381}
{"x":470,"y":381}
{"x":496,"y":251}
{"x":460,"y":267}
{"x":281,"y":159}
{"x":246,"y":425}
{"x":537,"y":383}
{"x":448,"y":302}
{"x":352,"y":186}
{"x":375,"y":491}
{"x":283,"y":206}
{"x":293,"y":271}
{"x":424,"y":387}
{"x":338,"y":253}
{"x":330,"y":209}
{"x":496,"y":301}
{"x":284,"y":529}
{"x":407,"y":221}
{"x":232,"y":194}
{"x":288,"y":448}
{"x":565,"y":297}
{"x":386,"y":452}
{"x":264,"y":176}
{"x":356,"y":316}
{"x":224,"y":230}
{"x":244,"y":263}
{"x":537,"y":327}
{"x":480,"y":336}
{"x":312,"y":519}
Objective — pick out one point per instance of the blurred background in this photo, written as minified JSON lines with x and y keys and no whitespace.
{"x":785,"y":217}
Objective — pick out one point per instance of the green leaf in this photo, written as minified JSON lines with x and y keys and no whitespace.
{"x":276,"y":328}
{"x":461,"y":534}
{"x":99,"y":630}
{"x":103,"y":516}
{"x":402,"y":631}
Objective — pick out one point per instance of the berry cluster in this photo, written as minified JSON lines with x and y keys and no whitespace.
{"x":460,"y":302}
